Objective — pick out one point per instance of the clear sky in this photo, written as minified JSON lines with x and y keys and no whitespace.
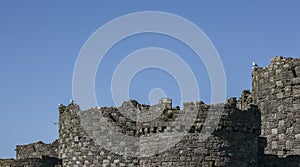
{"x":40,"y":41}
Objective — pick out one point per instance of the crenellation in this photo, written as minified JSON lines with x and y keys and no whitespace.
{"x":236,"y":126}
{"x":37,"y":150}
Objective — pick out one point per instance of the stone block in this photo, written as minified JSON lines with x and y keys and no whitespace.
{"x":279,"y":95}
{"x":296,"y":81}
{"x":296,"y":90}
{"x":296,"y":106}
{"x":279,"y":84}
{"x":297,"y":151}
{"x":278,"y":72}
{"x":274,"y":145}
{"x":280,"y":108}
{"x":281,"y":123}
{"x":297,"y":70}
{"x":281,"y":137}
{"x":105,"y":161}
{"x":274,"y":131}
{"x":116,"y":161}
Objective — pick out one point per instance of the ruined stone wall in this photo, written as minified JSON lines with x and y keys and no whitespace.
{"x":77,"y":149}
{"x":233,"y":143}
{"x":36,"y":154}
{"x":43,"y":161}
{"x":37,"y":150}
{"x":276,"y":91}
{"x":7,"y":162}
{"x":258,"y":129}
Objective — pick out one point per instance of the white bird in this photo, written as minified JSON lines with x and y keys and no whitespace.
{"x":254,"y":65}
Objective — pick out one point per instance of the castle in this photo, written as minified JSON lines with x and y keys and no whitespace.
{"x":260,"y":129}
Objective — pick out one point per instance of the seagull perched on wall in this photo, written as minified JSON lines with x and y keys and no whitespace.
{"x":254,"y":65}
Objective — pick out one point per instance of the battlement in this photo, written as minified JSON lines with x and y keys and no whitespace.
{"x":275,"y":91}
{"x":42,"y":161}
{"x":241,"y":127}
{"x":157,"y":118}
{"x":37,"y":150}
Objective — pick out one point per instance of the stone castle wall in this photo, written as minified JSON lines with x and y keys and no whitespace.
{"x":76,"y":148}
{"x":43,"y":161}
{"x":259,"y":129}
{"x":36,"y":154}
{"x":7,"y":162}
{"x":37,"y":150}
{"x":276,"y":91}
{"x":234,"y":142}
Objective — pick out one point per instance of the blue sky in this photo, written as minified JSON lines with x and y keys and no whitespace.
{"x":40,"y":41}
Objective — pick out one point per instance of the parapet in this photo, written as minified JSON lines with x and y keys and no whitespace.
{"x":37,"y":150}
{"x":237,"y":126}
{"x":167,"y":101}
{"x":43,"y":161}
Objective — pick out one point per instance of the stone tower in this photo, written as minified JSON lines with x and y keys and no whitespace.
{"x":276,"y":91}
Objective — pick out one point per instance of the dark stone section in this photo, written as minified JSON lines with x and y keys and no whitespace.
{"x":43,"y":161}
{"x":270,"y":160}
{"x":36,"y":150}
{"x":8,"y":162}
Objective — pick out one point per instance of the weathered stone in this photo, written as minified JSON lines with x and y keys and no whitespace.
{"x":278,"y":100}
{"x":274,"y":131}
{"x":272,"y":111}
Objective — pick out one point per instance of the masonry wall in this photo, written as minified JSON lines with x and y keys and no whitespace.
{"x":258,"y":129}
{"x":37,"y":150}
{"x":234,"y":143}
{"x":276,"y":91}
{"x":77,"y":149}
{"x":43,"y":161}
{"x":8,"y":162}
{"x":36,"y":154}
